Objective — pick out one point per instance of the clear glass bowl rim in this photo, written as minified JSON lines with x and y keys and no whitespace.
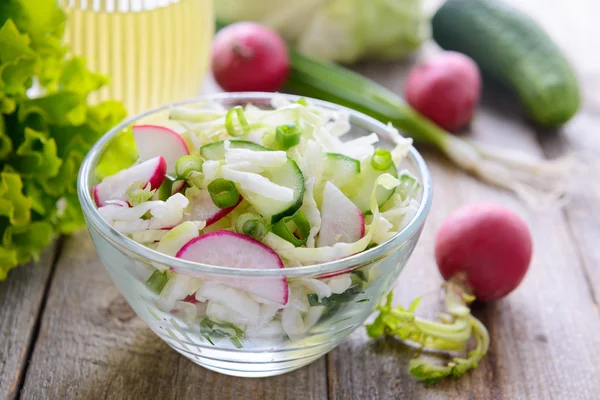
{"x":131,"y":247}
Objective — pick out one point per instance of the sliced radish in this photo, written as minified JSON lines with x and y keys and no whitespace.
{"x":202,"y":208}
{"x":152,"y":172}
{"x":341,"y":220}
{"x":154,"y":140}
{"x":228,"y":249}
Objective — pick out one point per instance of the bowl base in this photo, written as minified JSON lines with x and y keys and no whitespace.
{"x":257,"y":370}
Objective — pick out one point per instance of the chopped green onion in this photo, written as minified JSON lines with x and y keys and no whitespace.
{"x":287,"y":136}
{"x":251,"y":224}
{"x":382,"y":159}
{"x":223,"y":193}
{"x":188,"y":164}
{"x":244,"y":127}
{"x":157,"y":281}
{"x":294,"y":229}
{"x":165,"y":190}
{"x":302,"y":101}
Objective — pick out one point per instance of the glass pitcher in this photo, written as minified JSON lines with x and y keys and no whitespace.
{"x":154,"y":51}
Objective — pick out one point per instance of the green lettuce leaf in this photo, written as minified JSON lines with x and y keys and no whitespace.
{"x":43,"y":140}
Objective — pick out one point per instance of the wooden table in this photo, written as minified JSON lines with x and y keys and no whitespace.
{"x":65,"y":332}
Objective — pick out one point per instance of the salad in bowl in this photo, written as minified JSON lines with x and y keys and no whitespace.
{"x":254,"y":232}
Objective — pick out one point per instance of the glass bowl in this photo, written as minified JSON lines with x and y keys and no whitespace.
{"x":314,"y":325}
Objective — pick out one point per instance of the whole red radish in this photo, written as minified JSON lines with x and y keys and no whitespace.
{"x":488,"y":246}
{"x":445,"y":89}
{"x":249,"y":57}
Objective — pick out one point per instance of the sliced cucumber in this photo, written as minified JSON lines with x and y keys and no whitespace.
{"x":288,"y":175}
{"x":340,"y":169}
{"x":359,"y":189}
{"x":337,"y":169}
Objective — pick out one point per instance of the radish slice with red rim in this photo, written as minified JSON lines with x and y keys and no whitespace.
{"x":341,"y":220}
{"x":153,"y":140}
{"x":114,"y":187}
{"x":229,"y":249}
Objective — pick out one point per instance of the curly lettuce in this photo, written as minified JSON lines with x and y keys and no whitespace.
{"x":43,"y":137}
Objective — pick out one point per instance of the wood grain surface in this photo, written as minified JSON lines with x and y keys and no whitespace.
{"x":21,"y":300}
{"x":545,"y":341}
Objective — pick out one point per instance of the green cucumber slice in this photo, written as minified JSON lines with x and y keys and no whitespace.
{"x":359,"y":189}
{"x":288,"y":175}
{"x":337,"y":169}
{"x":340,"y":169}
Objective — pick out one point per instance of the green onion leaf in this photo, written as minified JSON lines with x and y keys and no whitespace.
{"x":294,"y":229}
{"x":165,"y":190}
{"x":157,"y":281}
{"x":223,"y":193}
{"x":188,"y":164}
{"x":251,"y":224}
{"x":287,"y":136}
{"x":382,"y":159}
{"x":243,"y":128}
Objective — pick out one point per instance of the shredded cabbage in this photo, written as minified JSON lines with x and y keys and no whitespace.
{"x":379,"y":227}
{"x":164,"y":214}
{"x":311,"y":211}
{"x":338,"y":30}
{"x":258,"y":184}
{"x":262,"y":159}
{"x":339,"y":284}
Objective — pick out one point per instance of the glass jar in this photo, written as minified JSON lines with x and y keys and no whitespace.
{"x":154,"y":51}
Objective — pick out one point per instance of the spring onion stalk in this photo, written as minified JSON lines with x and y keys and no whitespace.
{"x":451,"y":335}
{"x":533,"y":180}
{"x":287,"y":136}
{"x":230,"y":125}
{"x":251,"y":224}
{"x":188,"y":164}
{"x":382,"y":159}
{"x":223,"y":193}
{"x":295,"y":229}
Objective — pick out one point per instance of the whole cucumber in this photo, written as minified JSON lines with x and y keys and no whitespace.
{"x":512,"y":48}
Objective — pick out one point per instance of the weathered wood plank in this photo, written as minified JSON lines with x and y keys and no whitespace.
{"x":92,"y":345}
{"x":21,"y":298}
{"x":538,"y":330}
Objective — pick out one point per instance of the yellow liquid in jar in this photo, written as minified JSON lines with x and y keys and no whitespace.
{"x":154,"y":51}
